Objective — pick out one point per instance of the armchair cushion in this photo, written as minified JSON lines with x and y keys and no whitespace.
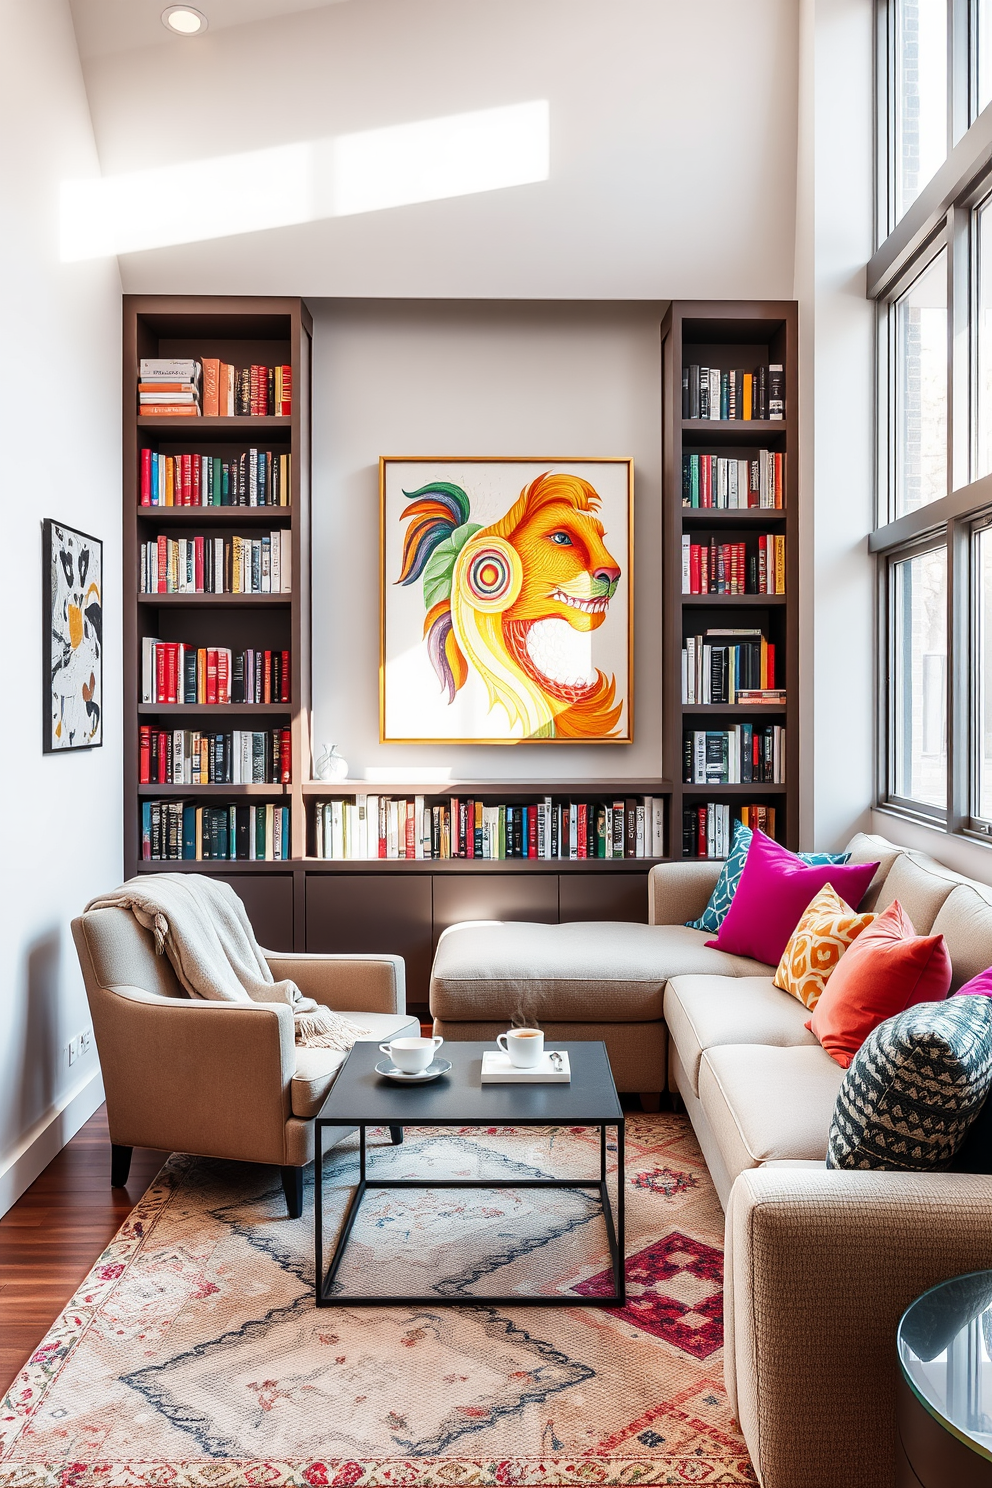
{"x":316,"y":1069}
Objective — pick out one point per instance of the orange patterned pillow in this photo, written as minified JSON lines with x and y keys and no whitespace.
{"x":825,"y":930}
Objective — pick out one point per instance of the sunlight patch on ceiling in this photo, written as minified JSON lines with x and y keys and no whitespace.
{"x":430,"y":160}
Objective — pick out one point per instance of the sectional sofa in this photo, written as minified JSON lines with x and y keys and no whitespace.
{"x":819,"y":1264}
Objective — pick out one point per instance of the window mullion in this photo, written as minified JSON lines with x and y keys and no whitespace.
{"x":959,"y":89}
{"x":959,"y":304}
{"x":959,"y":691}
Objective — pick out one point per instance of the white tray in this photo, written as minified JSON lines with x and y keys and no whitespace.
{"x":497,"y":1070}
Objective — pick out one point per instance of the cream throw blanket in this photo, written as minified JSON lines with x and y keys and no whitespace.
{"x":201,"y":925}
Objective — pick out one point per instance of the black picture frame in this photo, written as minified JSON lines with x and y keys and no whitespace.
{"x":72,"y":643}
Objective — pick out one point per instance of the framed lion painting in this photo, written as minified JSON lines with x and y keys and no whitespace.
{"x":507,"y":601}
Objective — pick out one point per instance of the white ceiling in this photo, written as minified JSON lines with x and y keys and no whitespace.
{"x":107,"y":27}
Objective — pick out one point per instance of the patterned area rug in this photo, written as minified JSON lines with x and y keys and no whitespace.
{"x":193,"y":1355}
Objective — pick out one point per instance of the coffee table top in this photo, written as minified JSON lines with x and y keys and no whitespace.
{"x":359,"y":1095}
{"x":944,"y":1344}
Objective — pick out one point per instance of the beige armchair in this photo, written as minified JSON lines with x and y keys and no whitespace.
{"x":221,"y":1079}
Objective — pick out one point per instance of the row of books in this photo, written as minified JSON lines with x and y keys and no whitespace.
{"x":256,"y":477}
{"x":175,"y":830}
{"x":173,"y":672}
{"x":394,"y":827}
{"x":728,"y":567}
{"x":709,"y":393}
{"x":706,"y":828}
{"x":730,"y":484}
{"x":747,"y":754}
{"x":174,"y":387}
{"x":192,"y":757}
{"x":730,"y":667}
{"x":218,"y":565}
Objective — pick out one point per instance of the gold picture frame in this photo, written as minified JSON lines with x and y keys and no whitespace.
{"x":506,"y":600}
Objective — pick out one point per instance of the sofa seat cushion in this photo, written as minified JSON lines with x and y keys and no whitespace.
{"x":316,"y":1068}
{"x":766,"y":1104}
{"x":705,"y":1012}
{"x":591,"y":972}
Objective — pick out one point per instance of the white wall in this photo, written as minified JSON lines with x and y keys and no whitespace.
{"x":672,"y":144}
{"x":468,"y":378}
{"x":833,"y":243}
{"x":59,"y":402}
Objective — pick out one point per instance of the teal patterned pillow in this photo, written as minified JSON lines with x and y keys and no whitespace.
{"x":914,"y":1088}
{"x":715,"y":912}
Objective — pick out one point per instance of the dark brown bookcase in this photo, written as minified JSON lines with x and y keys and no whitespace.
{"x":307,"y":903}
{"x":726,"y":334}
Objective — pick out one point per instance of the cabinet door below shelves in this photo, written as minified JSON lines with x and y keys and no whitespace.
{"x":494,"y":896}
{"x":603,"y":896}
{"x":374,"y":912}
{"x":268,"y":898}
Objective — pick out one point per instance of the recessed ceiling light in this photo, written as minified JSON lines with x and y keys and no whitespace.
{"x":184,"y":20}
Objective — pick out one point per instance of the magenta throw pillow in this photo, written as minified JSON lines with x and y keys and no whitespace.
{"x":979,"y":986}
{"x":774,"y":890}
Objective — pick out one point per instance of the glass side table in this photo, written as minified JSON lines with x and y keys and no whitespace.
{"x":944,"y":1344}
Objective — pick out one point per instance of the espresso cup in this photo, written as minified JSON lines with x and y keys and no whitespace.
{"x":412,"y":1055}
{"x":525,"y":1046}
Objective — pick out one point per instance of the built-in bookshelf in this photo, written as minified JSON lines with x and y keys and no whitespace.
{"x":730,"y":482}
{"x":224,"y":588}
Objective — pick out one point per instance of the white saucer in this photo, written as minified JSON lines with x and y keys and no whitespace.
{"x":388,"y":1068}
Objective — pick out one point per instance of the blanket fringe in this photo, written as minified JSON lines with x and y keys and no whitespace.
{"x":322,"y":1029}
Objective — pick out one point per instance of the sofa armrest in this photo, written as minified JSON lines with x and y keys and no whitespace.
{"x":183,"y":1075}
{"x":820,"y":1266}
{"x":355,"y":984}
{"x":678,"y":892}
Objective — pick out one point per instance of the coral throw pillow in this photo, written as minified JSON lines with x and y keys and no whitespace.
{"x":888,"y":969}
{"x":774,"y":889}
{"x":979,"y":986}
{"x":827,"y":928}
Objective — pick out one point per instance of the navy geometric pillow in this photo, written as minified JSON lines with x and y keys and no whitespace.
{"x":914,"y":1088}
{"x":715,"y":912}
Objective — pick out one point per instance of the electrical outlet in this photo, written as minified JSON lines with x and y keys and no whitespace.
{"x":73,"y":1048}
{"x":85,"y":1041}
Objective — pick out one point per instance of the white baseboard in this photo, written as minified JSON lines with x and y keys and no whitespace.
{"x":47,"y":1137}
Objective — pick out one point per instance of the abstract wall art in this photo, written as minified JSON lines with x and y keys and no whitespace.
{"x":73,"y":641}
{"x":507,"y":600}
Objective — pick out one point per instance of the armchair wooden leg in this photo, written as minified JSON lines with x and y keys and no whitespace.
{"x":292,"y":1187}
{"x":396,"y":1133}
{"x":120,"y":1165}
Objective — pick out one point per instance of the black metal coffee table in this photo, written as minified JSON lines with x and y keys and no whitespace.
{"x":361,"y":1098}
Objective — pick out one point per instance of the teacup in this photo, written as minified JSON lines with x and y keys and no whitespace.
{"x":412,"y":1055}
{"x":525,"y":1046}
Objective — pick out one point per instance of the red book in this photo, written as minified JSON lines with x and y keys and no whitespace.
{"x":253,"y":393}
{"x":470,"y":830}
{"x":198,"y":564}
{"x":456,"y":827}
{"x":284,"y":679}
{"x":532,"y":830}
{"x":195,"y":474}
{"x":409,"y":839}
{"x":160,"y":677}
{"x":267,"y":677}
{"x":223,"y":675}
{"x":211,"y":676}
{"x":145,"y":754}
{"x":383,"y":819}
{"x":285,"y":757}
{"x":779,"y":481}
{"x":162,"y":772}
{"x":286,"y":402}
{"x":704,"y":570}
{"x":701,"y":831}
{"x":706,"y":480}
{"x":171,"y":658}
{"x":146,"y":477}
{"x":695,"y":570}
{"x":581,"y":842}
{"x":163,"y":564}
{"x":770,"y":654}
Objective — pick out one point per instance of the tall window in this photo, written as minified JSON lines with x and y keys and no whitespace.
{"x":920,"y":316}
{"x":918,"y":630}
{"x":920,"y":88}
{"x":932,"y":278}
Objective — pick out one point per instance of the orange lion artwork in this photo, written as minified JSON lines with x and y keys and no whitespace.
{"x":517,"y":602}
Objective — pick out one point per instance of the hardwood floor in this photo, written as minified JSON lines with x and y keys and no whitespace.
{"x":54,"y":1233}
